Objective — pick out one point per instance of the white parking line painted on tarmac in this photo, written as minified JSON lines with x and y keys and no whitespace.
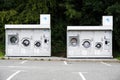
{"x":65,"y":63}
{"x":10,"y":77}
{"x":8,"y":66}
{"x":82,"y":76}
{"x":23,"y":62}
{"x":106,"y":64}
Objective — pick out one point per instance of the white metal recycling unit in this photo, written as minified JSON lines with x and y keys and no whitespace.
{"x":29,"y":40}
{"x":90,"y":41}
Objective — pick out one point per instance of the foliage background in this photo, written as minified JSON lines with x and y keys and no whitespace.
{"x":63,"y":13}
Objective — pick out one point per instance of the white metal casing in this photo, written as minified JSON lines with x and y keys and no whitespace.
{"x":95,"y":35}
{"x":39,"y":36}
{"x":107,"y":21}
{"x":45,"y":19}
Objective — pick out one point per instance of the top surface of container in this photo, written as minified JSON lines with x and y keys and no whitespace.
{"x":88,"y":28}
{"x":25,"y":26}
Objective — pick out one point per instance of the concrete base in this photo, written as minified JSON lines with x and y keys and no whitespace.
{"x":60,"y":59}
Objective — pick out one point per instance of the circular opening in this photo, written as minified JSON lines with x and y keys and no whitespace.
{"x":98,"y":45}
{"x":37,"y":44}
{"x":86,"y":44}
{"x":26,"y":42}
{"x":13,"y":40}
{"x":73,"y":41}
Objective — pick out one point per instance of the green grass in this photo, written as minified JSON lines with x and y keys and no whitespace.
{"x":118,"y":58}
{"x":116,"y":54}
{"x":1,"y":55}
{"x":2,"y":50}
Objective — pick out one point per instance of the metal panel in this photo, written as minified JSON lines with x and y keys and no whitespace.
{"x":107,"y":21}
{"x":26,"y":42}
{"x":42,"y":37}
{"x":26,"y":26}
{"x":91,"y":44}
{"x":29,"y":40}
{"x":88,"y":28}
{"x":94,"y":41}
{"x":11,"y":47}
{"x":45,"y":19}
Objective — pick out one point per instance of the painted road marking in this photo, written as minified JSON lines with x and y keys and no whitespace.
{"x":10,"y":77}
{"x":23,"y":62}
{"x":82,"y":76}
{"x":16,"y":66}
{"x":106,"y":64}
{"x":65,"y":63}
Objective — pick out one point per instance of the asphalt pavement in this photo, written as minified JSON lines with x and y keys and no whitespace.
{"x":58,"y":70}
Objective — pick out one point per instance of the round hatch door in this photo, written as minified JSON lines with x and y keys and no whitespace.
{"x":13,"y":39}
{"x":26,"y":42}
{"x":74,"y":41}
{"x":37,"y":44}
{"x":98,"y":45}
{"x":86,"y":44}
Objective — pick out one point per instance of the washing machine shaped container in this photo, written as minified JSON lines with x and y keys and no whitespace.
{"x":90,"y":41}
{"x":29,"y":40}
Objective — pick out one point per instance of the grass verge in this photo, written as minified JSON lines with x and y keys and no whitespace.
{"x":1,"y":55}
{"x":116,"y":55}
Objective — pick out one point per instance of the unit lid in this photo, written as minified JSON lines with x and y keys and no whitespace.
{"x":88,"y":28}
{"x":24,"y":26}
